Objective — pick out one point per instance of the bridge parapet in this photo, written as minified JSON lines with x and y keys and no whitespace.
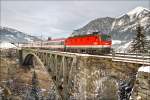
{"x":83,"y":76}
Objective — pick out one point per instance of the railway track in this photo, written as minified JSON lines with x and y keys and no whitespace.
{"x":122,"y":57}
{"x":133,"y":58}
{"x":136,"y":56}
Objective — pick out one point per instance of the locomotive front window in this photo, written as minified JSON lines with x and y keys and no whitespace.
{"x":106,"y":37}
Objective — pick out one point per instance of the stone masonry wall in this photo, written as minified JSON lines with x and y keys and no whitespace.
{"x":99,"y":77}
{"x":141,"y":89}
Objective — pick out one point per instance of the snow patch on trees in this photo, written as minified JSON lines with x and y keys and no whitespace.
{"x":6,"y":45}
{"x":116,"y":42}
{"x":144,"y":69}
{"x":124,"y":48}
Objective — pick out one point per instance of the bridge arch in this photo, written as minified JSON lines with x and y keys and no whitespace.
{"x":28,"y":60}
{"x":31,"y":60}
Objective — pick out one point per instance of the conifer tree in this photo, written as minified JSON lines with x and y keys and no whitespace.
{"x":139,"y":43}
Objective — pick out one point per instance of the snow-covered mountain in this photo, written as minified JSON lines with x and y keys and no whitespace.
{"x":121,"y":28}
{"x":15,"y":36}
{"x":99,"y":24}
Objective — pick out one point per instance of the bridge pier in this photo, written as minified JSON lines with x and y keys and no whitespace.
{"x":20,"y":57}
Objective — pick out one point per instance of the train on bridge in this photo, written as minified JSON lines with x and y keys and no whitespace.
{"x":95,"y":43}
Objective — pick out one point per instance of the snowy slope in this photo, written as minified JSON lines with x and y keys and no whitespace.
{"x":144,"y":69}
{"x":123,"y":27}
{"x":122,"y":48}
{"x":138,"y":12}
{"x":6,"y":45}
{"x":14,"y":36}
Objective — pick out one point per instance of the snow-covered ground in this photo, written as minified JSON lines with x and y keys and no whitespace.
{"x":28,"y":39}
{"x":144,"y":69}
{"x":148,"y":37}
{"x":116,"y":42}
{"x":120,"y":46}
{"x":124,"y":48}
{"x":6,"y":45}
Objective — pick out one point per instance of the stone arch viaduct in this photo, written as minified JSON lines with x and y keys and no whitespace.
{"x":82,"y":76}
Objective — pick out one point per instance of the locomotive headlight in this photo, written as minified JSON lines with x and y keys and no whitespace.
{"x":106,"y":43}
{"x":95,"y":43}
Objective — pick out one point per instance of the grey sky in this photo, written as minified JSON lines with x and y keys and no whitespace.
{"x":60,"y":18}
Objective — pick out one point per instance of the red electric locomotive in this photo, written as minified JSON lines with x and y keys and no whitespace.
{"x":94,"y":43}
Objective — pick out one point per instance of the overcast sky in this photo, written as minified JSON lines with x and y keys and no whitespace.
{"x":60,"y":18}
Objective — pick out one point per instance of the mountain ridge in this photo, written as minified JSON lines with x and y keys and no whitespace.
{"x":122,"y":27}
{"x":15,"y":36}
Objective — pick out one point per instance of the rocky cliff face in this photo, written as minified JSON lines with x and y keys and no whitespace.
{"x":99,"y":78}
{"x":121,"y":28}
{"x":15,"y":36}
{"x":141,"y":89}
{"x":100,"y":24}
